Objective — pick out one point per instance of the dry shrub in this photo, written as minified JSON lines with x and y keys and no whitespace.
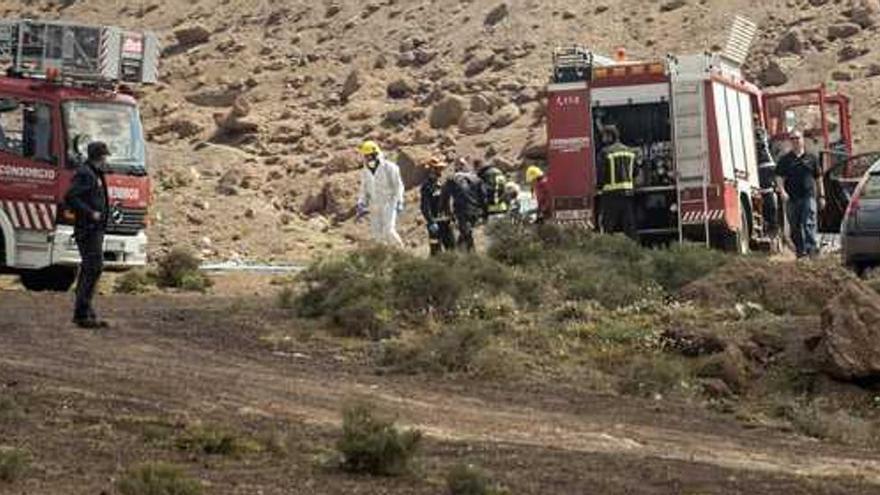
{"x":374,"y":445}
{"x":13,"y":464}
{"x":157,"y":478}
{"x":179,"y":269}
{"x":466,"y":479}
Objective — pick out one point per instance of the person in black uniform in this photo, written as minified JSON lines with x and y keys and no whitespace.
{"x":88,"y":199}
{"x":615,"y":172}
{"x":437,"y":217}
{"x":464,"y":191}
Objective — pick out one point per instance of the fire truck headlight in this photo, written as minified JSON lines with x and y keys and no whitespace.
{"x":673,"y":207}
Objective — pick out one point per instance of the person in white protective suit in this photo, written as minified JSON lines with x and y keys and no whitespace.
{"x":381,"y":194}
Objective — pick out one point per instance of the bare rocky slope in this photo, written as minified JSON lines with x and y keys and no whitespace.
{"x":261,"y":103}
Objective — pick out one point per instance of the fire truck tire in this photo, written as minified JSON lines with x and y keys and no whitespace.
{"x":51,"y":279}
{"x":739,"y":241}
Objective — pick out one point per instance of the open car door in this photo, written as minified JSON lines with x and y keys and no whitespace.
{"x":840,"y":181}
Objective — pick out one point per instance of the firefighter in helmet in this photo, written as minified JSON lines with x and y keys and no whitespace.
{"x":540,"y":191}
{"x":615,"y":172}
{"x":438,"y":219}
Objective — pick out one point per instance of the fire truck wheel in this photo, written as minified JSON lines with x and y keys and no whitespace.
{"x":739,"y":241}
{"x":52,"y":279}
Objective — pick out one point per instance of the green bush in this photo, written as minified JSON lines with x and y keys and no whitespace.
{"x":421,"y":285}
{"x":651,"y":374}
{"x":455,"y":349}
{"x":465,"y":479}
{"x":134,"y":282}
{"x":375,"y":446}
{"x":679,"y":265}
{"x":157,"y":479}
{"x":179,"y":269}
{"x":13,"y":464}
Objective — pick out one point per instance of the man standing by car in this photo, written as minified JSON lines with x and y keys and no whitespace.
{"x":799,"y":179}
{"x":88,"y":199}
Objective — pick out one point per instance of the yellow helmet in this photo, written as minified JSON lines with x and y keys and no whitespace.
{"x":533,"y":173}
{"x":369,"y":148}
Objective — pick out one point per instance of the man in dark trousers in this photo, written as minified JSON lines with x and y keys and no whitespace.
{"x":88,"y":199}
{"x":464,"y":190}
{"x":799,"y":179}
{"x":615,"y":172}
{"x":437,"y":215}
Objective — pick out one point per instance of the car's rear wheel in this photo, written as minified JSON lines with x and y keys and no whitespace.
{"x":51,"y":279}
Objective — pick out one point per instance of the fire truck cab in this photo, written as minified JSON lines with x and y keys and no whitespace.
{"x":61,"y":91}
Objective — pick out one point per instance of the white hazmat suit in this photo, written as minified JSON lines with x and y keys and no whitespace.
{"x":382,"y":195}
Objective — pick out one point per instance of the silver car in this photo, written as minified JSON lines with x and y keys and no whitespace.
{"x":860,"y":229}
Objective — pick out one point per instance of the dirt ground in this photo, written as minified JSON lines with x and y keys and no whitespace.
{"x":84,"y":401}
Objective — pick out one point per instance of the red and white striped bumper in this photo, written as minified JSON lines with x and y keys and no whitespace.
{"x":700,"y":216}
{"x":29,"y":215}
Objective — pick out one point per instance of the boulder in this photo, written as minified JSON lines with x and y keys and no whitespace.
{"x":412,"y":171}
{"x":865,"y":13}
{"x":843,"y":30}
{"x":230,"y":182}
{"x":235,"y":121}
{"x":496,"y":15}
{"x":480,"y":104}
{"x":322,"y":202}
{"x":447,"y":112}
{"x":191,"y":35}
{"x":474,"y":123}
{"x":692,"y":342}
{"x":399,"y":89}
{"x":351,"y":85}
{"x":791,"y":43}
{"x":481,"y":60}
{"x":672,"y":5}
{"x":851,"y":52}
{"x":873,"y":70}
{"x":773,"y":75}
{"x":344,"y":161}
{"x":731,"y":366}
{"x":400,"y":117}
{"x":849,"y":347}
{"x":506,"y":115}
{"x":842,"y":76}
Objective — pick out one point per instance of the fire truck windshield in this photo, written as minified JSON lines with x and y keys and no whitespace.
{"x":116,"y":124}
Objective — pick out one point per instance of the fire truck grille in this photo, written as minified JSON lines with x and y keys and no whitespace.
{"x":126,"y":221}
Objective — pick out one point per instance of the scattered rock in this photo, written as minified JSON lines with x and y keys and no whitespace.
{"x":235,"y":121}
{"x":216,"y":97}
{"x":672,"y":5}
{"x":412,"y":171}
{"x":323,"y":202}
{"x":873,"y":70}
{"x":773,"y":75}
{"x":480,"y":104}
{"x":479,"y":62}
{"x":496,"y":15}
{"x":474,"y":123}
{"x":872,"y":121}
{"x":851,"y":52}
{"x":192,"y":35}
{"x":843,"y":30}
{"x":842,"y":76}
{"x":447,"y":112}
{"x":850,"y":343}
{"x":399,"y":89}
{"x":230,"y":181}
{"x":332,"y":10}
{"x":568,"y":15}
{"x":351,"y":85}
{"x":731,"y":366}
{"x":400,"y":117}
{"x":791,"y":43}
{"x":534,"y":151}
{"x":865,"y":13}
{"x":691,"y":342}
{"x":506,"y":115}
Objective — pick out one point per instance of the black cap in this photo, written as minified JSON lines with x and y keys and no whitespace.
{"x":97,"y":150}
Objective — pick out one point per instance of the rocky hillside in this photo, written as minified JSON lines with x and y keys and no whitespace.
{"x":261,"y":102}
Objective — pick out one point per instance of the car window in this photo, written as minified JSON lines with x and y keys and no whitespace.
{"x":872,"y":187}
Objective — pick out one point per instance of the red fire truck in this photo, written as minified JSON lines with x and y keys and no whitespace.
{"x":63,"y":89}
{"x":693,"y":120}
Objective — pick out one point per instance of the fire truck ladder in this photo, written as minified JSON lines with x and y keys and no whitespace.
{"x":691,"y":156}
